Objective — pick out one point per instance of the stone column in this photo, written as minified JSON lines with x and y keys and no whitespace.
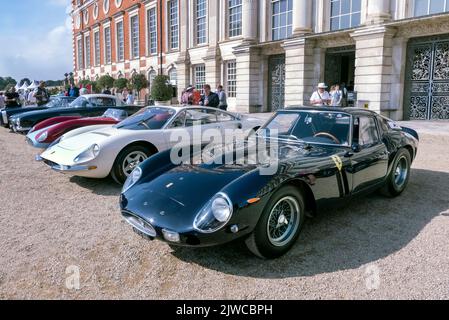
{"x":183,"y":62}
{"x":299,"y":71}
{"x":249,"y":20}
{"x":378,"y":11}
{"x":374,"y":67}
{"x":302,"y":17}
{"x":248,"y":79}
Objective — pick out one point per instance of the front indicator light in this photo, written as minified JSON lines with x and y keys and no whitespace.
{"x":171,"y":236}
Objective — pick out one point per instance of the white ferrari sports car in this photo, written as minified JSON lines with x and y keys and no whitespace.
{"x":117,"y":150}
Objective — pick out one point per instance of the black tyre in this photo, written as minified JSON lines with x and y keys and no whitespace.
{"x":398,"y":179}
{"x":127,"y":160}
{"x":280,"y":224}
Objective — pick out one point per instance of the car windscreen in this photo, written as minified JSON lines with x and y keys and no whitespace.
{"x":57,"y":103}
{"x":153,"y":118}
{"x":314,"y":127}
{"x":116,"y":114}
{"x":80,"y":102}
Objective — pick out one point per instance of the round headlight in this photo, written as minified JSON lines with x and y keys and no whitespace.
{"x":221,"y":209}
{"x":132,"y":179}
{"x":215,"y":214}
{"x":95,"y":150}
{"x":42,"y":137}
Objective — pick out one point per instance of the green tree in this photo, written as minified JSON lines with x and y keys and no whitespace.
{"x":105,"y":81}
{"x":161,"y":89}
{"x":7,"y":81}
{"x":121,"y":83}
{"x":139,"y":82}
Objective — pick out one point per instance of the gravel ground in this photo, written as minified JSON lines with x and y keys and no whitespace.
{"x":375,"y":248}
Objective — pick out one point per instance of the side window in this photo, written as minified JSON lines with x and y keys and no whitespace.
{"x":368,"y":133}
{"x":223,"y":117}
{"x":102,"y":102}
{"x":179,"y":121}
{"x":200,"y":117}
{"x":209,"y":116}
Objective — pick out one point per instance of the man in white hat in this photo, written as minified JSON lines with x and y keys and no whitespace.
{"x":321,"y":97}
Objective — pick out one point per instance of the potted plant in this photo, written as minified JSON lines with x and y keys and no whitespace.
{"x":161,"y":90}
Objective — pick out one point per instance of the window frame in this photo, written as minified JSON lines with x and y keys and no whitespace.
{"x":134,"y":55}
{"x":120,"y":50}
{"x":340,"y":15}
{"x":171,"y":35}
{"x":274,"y":28}
{"x":107,"y":48}
{"x":357,"y":138}
{"x":205,"y":24}
{"x":152,"y":33}
{"x":429,"y":2}
{"x":228,"y":20}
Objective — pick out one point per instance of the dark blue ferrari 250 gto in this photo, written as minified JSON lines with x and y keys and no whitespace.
{"x":324,"y":157}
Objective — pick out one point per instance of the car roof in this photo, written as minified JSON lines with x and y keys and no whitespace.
{"x":179,"y":108}
{"x":331,"y":109}
{"x":99,"y":95}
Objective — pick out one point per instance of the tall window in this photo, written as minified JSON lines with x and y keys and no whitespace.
{"x":199,"y":73}
{"x":88,"y":51}
{"x":97,"y":48}
{"x":231,"y":75}
{"x":282,"y":21}
{"x":235,"y":18}
{"x":134,"y":37}
{"x":107,"y":45}
{"x":173,"y":24}
{"x":201,"y":21}
{"x":120,"y":42}
{"x":425,"y":7}
{"x":79,"y":45}
{"x":152,"y":31}
{"x":173,"y":75}
{"x":151,"y":75}
{"x":345,"y":14}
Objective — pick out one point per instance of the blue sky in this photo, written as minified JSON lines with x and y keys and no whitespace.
{"x":35,"y":39}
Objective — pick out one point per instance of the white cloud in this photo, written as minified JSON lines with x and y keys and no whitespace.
{"x":38,"y":56}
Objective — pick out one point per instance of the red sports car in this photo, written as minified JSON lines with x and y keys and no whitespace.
{"x":48,"y":131}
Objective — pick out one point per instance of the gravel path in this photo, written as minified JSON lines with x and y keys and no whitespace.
{"x":375,"y":248}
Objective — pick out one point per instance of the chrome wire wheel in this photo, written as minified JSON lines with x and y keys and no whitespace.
{"x":283,"y":221}
{"x":401,"y":172}
{"x":132,"y":160}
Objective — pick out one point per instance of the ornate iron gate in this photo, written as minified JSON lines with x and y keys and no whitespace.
{"x":427,"y":82}
{"x":276,"y":85}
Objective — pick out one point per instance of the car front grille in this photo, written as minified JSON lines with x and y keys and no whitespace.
{"x":139,"y":223}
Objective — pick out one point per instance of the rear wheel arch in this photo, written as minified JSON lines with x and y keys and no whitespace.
{"x":409,"y":148}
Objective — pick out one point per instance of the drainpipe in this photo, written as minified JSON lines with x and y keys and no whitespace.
{"x":161,"y":58}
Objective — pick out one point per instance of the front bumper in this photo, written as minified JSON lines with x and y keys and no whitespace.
{"x":187,"y":238}
{"x":19,"y":129}
{"x":66,"y":169}
{"x":4,"y":118}
{"x":36,"y":144}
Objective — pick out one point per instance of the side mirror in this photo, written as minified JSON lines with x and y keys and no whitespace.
{"x":356,"y":148}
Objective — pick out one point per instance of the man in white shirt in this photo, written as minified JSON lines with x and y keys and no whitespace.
{"x":31,"y":98}
{"x":321,"y":97}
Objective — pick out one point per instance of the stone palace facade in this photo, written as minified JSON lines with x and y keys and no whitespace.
{"x":268,"y":54}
